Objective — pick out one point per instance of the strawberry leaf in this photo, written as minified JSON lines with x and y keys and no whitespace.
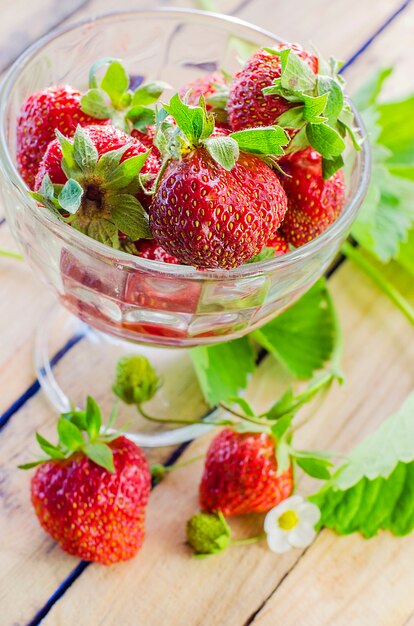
{"x":224,"y":150}
{"x":49,"y":448}
{"x":223,"y":369}
{"x":85,"y":153}
{"x":149,"y":93}
{"x":129,"y":216}
{"x":262,"y":141}
{"x":317,"y":468}
{"x":126,"y":172}
{"x":70,"y":198}
{"x":104,"y":231}
{"x":326,"y":140}
{"x":69,"y":435}
{"x":314,"y":107}
{"x":101,"y":454}
{"x":115,"y":82}
{"x":93,"y":418}
{"x":296,"y":74}
{"x":405,"y":255}
{"x":374,"y":489}
{"x":93,"y":103}
{"x":305,"y":336}
{"x":189,"y":119}
{"x":109,"y":161}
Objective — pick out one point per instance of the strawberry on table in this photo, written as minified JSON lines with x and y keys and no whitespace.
{"x":241,"y":475}
{"x":216,"y":203}
{"x":101,"y":193}
{"x":91,"y":490}
{"x":313,"y":202}
{"x":44,"y":112}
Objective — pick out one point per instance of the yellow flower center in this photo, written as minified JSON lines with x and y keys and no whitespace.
{"x":288,"y":520}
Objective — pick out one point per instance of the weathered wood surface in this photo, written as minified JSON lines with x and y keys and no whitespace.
{"x":337,"y":580}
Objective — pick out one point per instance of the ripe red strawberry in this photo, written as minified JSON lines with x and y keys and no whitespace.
{"x":204,"y":86}
{"x":313,"y":202}
{"x":210,"y":217}
{"x":44,"y":112}
{"x":150,"y":249}
{"x":240,"y":475}
{"x":247,"y":106}
{"x":100,"y":170}
{"x":91,"y":497}
{"x":278,"y":243}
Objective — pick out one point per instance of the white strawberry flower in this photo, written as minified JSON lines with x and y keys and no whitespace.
{"x":291,"y":524}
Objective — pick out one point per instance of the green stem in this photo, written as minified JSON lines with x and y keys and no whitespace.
{"x":11,"y":254}
{"x":393,"y":294}
{"x":164,"y":420}
{"x":242,"y":416}
{"x":245,"y":542}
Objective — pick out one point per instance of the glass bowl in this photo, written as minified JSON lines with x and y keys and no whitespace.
{"x":126,"y":297}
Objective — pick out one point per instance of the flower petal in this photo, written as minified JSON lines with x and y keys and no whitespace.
{"x":302,"y":535}
{"x":278,"y":541}
{"x":309,"y":513}
{"x":270,"y":522}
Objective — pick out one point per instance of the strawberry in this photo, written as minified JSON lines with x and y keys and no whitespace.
{"x":240,"y":474}
{"x":247,"y":106}
{"x":215,"y":207}
{"x":150,"y":249}
{"x":313,"y":202}
{"x":42,"y":113}
{"x":278,"y":243}
{"x":91,"y":493}
{"x":100,"y":171}
{"x":204,"y":86}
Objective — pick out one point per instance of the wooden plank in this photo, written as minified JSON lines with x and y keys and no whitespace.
{"x":169,"y":581}
{"x":347,"y":581}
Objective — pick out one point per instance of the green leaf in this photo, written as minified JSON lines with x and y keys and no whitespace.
{"x":115,"y":81}
{"x":296,"y":74}
{"x":149,"y":93}
{"x":330,"y":166}
{"x":70,"y":198}
{"x":281,"y":406}
{"x":101,"y":454}
{"x":328,"y":86}
{"x":27,"y":466}
{"x":93,"y":103}
{"x":84,"y":150}
{"x":104,"y":231}
{"x":281,"y":426}
{"x":396,"y":125}
{"x":368,"y":94}
{"x":370,"y":505}
{"x":379,"y":453}
{"x":317,"y":468}
{"x":68,"y":161}
{"x":76,"y":417}
{"x":265,"y":254}
{"x":406,"y":253}
{"x":314,"y":107}
{"x":292,"y":118}
{"x":265,"y":140}
{"x":141,"y":117}
{"x":93,"y":418}
{"x":243,"y":404}
{"x":126,"y":172}
{"x":224,"y":150}
{"x":109,"y":161}
{"x":49,"y":448}
{"x":327,"y":141}
{"x":304,"y":337}
{"x":223,"y":369}
{"x":46,"y":187}
{"x":129,"y":216}
{"x":189,"y":119}
{"x":69,"y":435}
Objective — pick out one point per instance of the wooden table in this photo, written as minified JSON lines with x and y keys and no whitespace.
{"x":336,"y":581}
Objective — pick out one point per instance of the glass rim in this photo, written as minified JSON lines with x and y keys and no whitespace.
{"x":89,"y":245}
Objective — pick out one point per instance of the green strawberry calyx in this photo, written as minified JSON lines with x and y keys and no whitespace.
{"x":208,"y":533}
{"x":194,"y":128}
{"x":98,"y":198}
{"x":322,"y":116}
{"x":112,"y":98}
{"x":80,"y":432}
